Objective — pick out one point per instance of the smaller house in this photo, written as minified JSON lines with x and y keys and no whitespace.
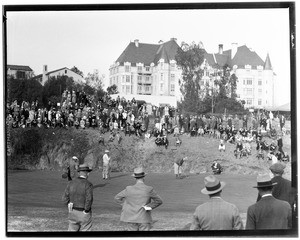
{"x":45,"y":76}
{"x":19,"y":71}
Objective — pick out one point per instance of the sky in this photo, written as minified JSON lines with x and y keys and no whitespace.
{"x":93,"y":40}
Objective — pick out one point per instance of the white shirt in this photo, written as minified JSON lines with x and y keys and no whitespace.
{"x":106,"y":159}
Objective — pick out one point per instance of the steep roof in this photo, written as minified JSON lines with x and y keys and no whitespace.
{"x":148,"y":53}
{"x":268,"y":65}
{"x":19,"y":67}
{"x":244,"y":56}
{"x":41,"y":75}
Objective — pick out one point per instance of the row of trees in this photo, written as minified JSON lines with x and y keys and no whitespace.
{"x":32,"y":90}
{"x":217,"y":97}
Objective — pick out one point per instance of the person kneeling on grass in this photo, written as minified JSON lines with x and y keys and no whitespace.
{"x":216,"y":167}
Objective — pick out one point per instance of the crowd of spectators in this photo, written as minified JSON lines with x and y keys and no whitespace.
{"x":79,"y":110}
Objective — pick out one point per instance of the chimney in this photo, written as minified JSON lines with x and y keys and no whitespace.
{"x":160,"y":41}
{"x":136,"y":42}
{"x":173,"y":39}
{"x":220,"y":48}
{"x":233,"y":49}
{"x":45,"y":71}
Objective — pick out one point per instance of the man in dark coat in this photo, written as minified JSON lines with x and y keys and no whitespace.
{"x":283,"y":189}
{"x":268,"y":212}
{"x":79,"y":197}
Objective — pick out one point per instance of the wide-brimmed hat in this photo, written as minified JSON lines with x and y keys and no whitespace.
{"x":264,"y":180}
{"x":277,"y":168}
{"x":84,"y":167}
{"x":212,"y":185}
{"x":138,"y":172}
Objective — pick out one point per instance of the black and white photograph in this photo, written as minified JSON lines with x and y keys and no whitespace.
{"x":150,"y":119}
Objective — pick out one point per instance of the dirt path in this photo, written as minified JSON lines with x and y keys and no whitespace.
{"x":34,"y":199}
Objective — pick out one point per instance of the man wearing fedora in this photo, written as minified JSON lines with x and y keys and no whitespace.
{"x":137,"y":202}
{"x":268,"y":212}
{"x":283,"y":189}
{"x":78,"y":196}
{"x":106,"y":165}
{"x":216,"y":214}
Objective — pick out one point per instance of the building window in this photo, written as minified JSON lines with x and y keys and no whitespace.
{"x":161,"y":87}
{"x":139,"y":68}
{"x":161,"y":64}
{"x":126,"y":68}
{"x":123,"y":79}
{"x":259,"y":82}
{"x":172,"y":77}
{"x":123,"y":89}
{"x":147,"y":88}
{"x":247,"y":81}
{"x":147,"y":69}
{"x":173,"y":65}
{"x":172,"y":86}
{"x":161,"y":76}
{"x":139,"y":78}
{"x":127,"y":89}
{"x":259,"y":92}
{"x":139,"y":88}
{"x":249,"y":91}
{"x":259,"y":102}
{"x":127,"y":78}
{"x":147,"y":78}
{"x":66,"y":71}
{"x":20,"y":74}
{"x":249,"y":101}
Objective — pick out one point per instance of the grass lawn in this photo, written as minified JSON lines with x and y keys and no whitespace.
{"x":34,"y":199}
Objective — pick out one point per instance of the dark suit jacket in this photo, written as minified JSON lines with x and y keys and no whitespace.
{"x":133,"y":198}
{"x":269,"y":213}
{"x":282,"y":190}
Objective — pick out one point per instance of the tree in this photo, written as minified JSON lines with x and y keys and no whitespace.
{"x":113,"y":89}
{"x":55,"y":86}
{"x":24,"y":90}
{"x":76,"y":70}
{"x":95,"y":80}
{"x":190,"y":59}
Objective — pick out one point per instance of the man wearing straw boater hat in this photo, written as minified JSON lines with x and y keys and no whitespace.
{"x":216,"y":214}
{"x":137,"y":202}
{"x":268,"y":212}
{"x":79,"y":197}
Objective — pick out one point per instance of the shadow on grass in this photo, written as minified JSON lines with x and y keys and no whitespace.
{"x":118,"y":176}
{"x":99,"y":185}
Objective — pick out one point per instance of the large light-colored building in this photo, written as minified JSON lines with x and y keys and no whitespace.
{"x":46,"y":75}
{"x":256,"y":78}
{"x":147,"y":69}
{"x":150,"y":69}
